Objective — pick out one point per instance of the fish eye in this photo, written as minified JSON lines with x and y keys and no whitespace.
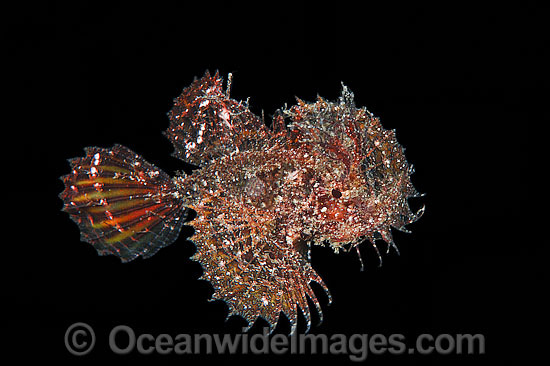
{"x":336,"y":193}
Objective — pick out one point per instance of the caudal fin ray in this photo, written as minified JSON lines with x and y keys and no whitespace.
{"x":123,"y":205}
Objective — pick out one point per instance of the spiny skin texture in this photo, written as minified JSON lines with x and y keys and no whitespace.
{"x":325,"y":173}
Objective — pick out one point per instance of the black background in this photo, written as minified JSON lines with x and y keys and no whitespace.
{"x":456,"y":82}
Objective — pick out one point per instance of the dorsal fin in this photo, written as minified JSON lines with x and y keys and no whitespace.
{"x":206,"y":124}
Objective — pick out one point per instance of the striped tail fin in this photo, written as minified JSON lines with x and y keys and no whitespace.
{"x":123,"y":205}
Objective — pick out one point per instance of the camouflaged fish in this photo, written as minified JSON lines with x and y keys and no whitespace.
{"x":324,"y":173}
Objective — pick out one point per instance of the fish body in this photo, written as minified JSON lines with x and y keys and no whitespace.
{"x":324,"y":173}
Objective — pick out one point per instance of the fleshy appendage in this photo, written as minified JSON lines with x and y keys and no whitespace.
{"x":123,"y":205}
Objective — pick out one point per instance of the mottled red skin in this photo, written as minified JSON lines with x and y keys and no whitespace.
{"x":321,"y":179}
{"x":324,"y":173}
